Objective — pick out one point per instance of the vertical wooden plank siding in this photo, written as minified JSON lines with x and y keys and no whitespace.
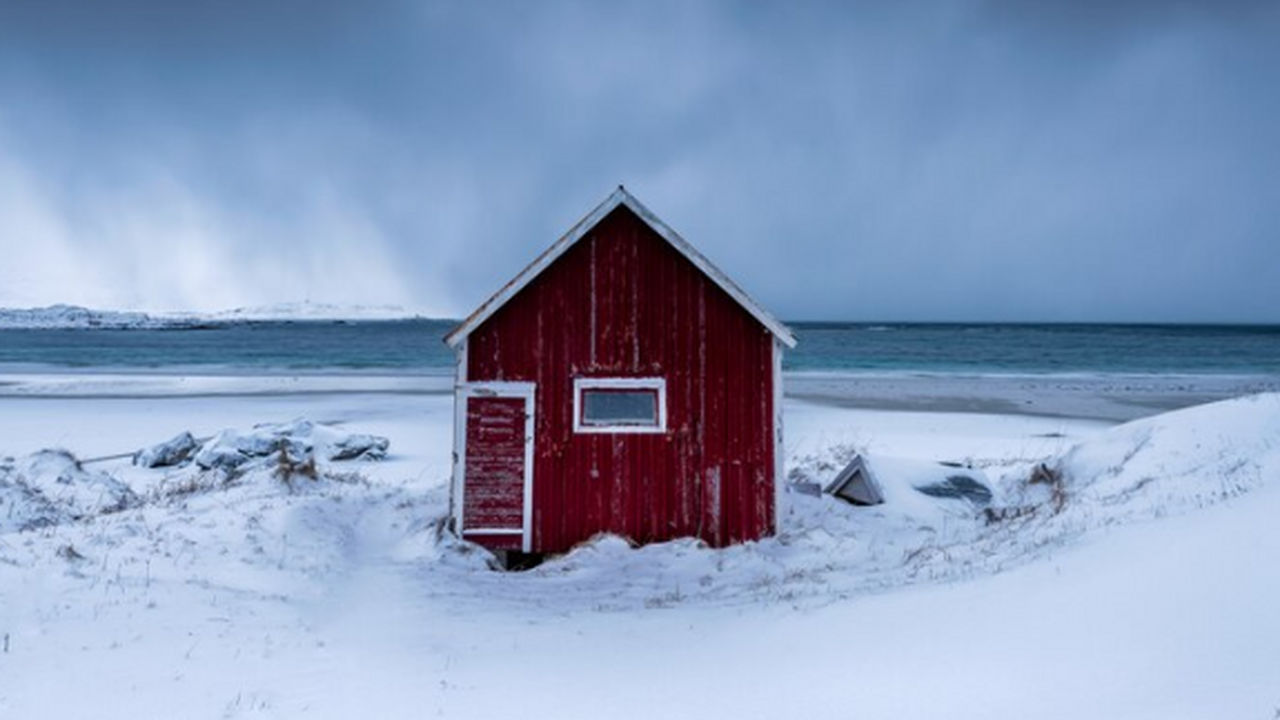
{"x":624,"y":303}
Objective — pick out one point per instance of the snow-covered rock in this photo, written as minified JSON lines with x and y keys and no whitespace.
{"x":222,"y":453}
{"x":174,"y":451}
{"x":300,"y":441}
{"x":358,"y":447}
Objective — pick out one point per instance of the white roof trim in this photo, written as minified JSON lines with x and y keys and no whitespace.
{"x":580,"y":230}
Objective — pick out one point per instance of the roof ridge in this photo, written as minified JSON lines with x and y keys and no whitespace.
{"x":620,"y":196}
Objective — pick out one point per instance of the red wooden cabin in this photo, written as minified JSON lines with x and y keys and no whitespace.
{"x":620,"y":384}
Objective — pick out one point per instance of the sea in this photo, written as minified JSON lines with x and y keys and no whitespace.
{"x":416,"y":347}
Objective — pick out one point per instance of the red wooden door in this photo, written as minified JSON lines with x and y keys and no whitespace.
{"x":497,"y":488}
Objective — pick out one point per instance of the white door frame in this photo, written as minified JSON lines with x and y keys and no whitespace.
{"x":463,"y":393}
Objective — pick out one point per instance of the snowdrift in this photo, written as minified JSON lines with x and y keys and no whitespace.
{"x":1178,"y":460}
{"x":825,"y":549}
{"x":51,"y":487}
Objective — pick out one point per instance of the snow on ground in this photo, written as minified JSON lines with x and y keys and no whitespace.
{"x":256,"y":597}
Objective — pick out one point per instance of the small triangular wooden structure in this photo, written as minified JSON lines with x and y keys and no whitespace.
{"x":856,"y":484}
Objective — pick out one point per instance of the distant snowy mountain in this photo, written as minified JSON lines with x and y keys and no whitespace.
{"x":306,"y":310}
{"x":75,"y":317}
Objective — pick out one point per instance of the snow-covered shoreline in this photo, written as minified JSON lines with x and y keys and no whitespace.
{"x":1112,"y":398}
{"x":43,"y":383}
{"x":328,"y":599}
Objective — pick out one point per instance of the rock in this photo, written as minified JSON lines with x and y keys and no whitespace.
{"x":364,"y":447}
{"x":300,"y":440}
{"x":221,"y":453}
{"x":958,"y":487}
{"x":175,"y":451}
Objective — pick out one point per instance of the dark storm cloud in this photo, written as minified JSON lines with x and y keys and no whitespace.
{"x":957,"y":160}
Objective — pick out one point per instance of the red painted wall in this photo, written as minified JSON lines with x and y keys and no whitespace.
{"x":623,"y":303}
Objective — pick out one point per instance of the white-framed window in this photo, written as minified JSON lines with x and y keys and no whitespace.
{"x":619,"y":405}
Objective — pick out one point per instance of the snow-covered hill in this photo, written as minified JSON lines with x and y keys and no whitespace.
{"x":75,"y":317}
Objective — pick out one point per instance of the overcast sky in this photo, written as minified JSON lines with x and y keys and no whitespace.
{"x":958,"y":160}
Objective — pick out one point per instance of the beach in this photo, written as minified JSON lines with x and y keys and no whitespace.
{"x":1098,"y":397}
{"x":340,"y":596}
{"x":1116,"y":397}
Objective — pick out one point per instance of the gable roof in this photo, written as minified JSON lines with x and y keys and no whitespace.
{"x":579,"y":231}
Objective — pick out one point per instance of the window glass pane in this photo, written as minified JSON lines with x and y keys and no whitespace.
{"x":619,"y":407}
